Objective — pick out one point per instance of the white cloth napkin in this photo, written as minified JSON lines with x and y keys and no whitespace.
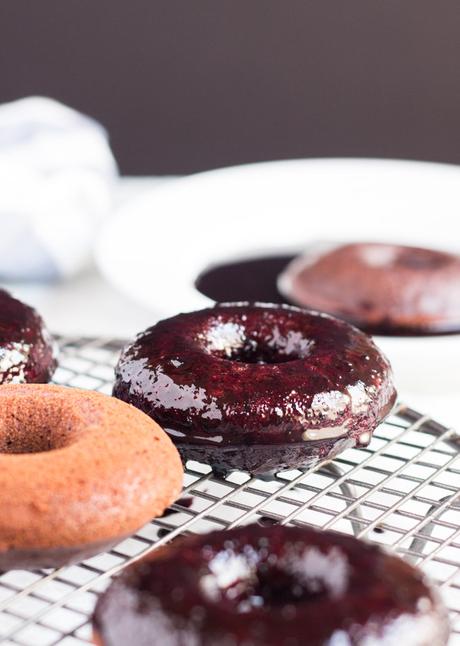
{"x":56,"y":178}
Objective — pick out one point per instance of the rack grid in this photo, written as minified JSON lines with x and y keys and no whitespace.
{"x":402,"y":491}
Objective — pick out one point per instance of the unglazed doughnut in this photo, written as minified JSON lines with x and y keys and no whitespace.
{"x":381,"y":288}
{"x":278,"y":586}
{"x":257,"y":387}
{"x":79,"y":471}
{"x":27,"y":353}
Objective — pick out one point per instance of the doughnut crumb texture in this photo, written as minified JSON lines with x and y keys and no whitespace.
{"x":90,"y":470}
{"x":258,"y":387}
{"x":273,"y":586}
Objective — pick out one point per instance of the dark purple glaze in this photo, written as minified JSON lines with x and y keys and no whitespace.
{"x":186,"y":502}
{"x":257,"y":387}
{"x":270,"y":586}
{"x":27,"y":352}
{"x":252,"y":279}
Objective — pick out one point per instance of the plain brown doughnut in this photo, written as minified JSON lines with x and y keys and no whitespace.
{"x":381,"y":288}
{"x":79,"y":471}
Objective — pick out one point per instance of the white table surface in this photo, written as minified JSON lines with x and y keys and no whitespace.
{"x":87,"y":305}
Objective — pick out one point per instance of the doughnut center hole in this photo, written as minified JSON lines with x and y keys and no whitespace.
{"x":259,"y":355}
{"x":245,"y":587}
{"x":233,"y":342}
{"x":33,"y":429}
{"x":274,"y":587}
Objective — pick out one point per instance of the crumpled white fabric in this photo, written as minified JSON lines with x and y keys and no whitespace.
{"x":56,"y":178}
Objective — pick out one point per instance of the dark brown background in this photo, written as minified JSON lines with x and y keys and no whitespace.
{"x":185,"y":85}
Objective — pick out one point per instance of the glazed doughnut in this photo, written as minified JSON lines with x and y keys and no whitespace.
{"x":381,"y":288}
{"x":257,"y":387}
{"x":278,"y":586}
{"x":79,"y":471}
{"x":27,"y":353}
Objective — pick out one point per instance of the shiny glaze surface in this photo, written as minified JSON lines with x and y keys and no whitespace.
{"x":257,"y":375}
{"x":27,"y":353}
{"x":271,"y":586}
{"x":383,"y":289}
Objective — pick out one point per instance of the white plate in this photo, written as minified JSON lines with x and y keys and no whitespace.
{"x":155,"y":245}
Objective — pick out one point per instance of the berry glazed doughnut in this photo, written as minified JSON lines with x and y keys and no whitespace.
{"x":27,"y":353}
{"x":79,"y":471}
{"x":278,"y":586}
{"x":257,"y":387}
{"x":381,"y":288}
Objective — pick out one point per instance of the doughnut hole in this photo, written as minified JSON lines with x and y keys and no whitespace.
{"x":243,"y":585}
{"x":253,"y":352}
{"x":35,"y":428}
{"x":233,"y":341}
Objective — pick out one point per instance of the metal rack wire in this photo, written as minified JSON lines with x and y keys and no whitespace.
{"x":402,"y":491}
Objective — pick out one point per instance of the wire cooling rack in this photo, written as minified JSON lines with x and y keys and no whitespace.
{"x":402,"y":491}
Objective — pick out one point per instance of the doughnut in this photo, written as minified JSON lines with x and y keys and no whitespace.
{"x":277,"y":586}
{"x":381,"y":288}
{"x":257,"y":387}
{"x":79,"y":471}
{"x":27,"y":353}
